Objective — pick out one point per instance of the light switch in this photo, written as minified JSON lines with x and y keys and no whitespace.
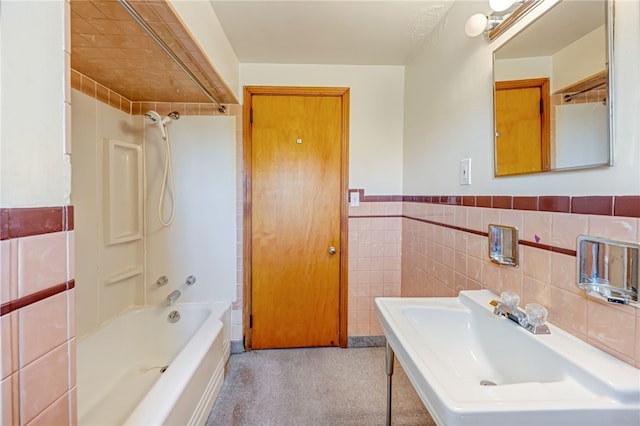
{"x":465,"y":171}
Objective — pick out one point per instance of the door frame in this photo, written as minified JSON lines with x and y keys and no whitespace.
{"x":545,"y":118}
{"x":343,"y":94}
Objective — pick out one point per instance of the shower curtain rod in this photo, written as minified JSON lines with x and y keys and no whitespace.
{"x":169,"y":52}
{"x":569,"y":97}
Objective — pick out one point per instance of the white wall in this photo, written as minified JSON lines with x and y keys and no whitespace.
{"x":95,"y":260}
{"x":201,"y":19}
{"x":376,"y":98}
{"x":448,"y":115}
{"x":202,"y":239}
{"x":34,"y":169}
{"x":582,"y":58}
{"x":522,"y":68}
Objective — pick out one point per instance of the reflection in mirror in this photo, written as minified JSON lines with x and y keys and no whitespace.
{"x":552,"y":103}
{"x":608,"y":270}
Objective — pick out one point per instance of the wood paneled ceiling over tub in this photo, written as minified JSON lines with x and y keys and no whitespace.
{"x":110,"y":47}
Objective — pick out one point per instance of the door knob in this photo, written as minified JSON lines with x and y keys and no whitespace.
{"x":332,"y":250}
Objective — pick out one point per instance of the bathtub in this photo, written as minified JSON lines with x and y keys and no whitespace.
{"x":142,"y":369}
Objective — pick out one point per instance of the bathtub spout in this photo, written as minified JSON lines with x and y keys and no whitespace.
{"x":173,"y":296}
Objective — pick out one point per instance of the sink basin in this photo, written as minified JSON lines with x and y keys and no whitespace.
{"x":471,"y":367}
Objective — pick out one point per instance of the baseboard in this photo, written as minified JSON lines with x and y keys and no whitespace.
{"x":237,"y":347}
{"x":366,"y":341}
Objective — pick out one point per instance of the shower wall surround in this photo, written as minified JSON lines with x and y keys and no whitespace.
{"x":444,"y":250}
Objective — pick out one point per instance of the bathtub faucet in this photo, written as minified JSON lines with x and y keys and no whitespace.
{"x":173,"y":296}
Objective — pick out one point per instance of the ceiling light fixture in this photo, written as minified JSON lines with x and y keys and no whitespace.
{"x":501,"y":5}
{"x":480,"y":23}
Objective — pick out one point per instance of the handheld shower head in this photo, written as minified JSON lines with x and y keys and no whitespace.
{"x":154,"y":117}
{"x":159,"y":121}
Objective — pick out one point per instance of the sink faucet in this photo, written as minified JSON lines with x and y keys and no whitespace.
{"x":173,"y":296}
{"x":534,"y":318}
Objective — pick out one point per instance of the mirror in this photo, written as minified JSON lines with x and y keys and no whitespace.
{"x":552,"y":98}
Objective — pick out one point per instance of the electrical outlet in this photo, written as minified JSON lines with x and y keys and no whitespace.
{"x":354,"y":199}
{"x":465,"y":171}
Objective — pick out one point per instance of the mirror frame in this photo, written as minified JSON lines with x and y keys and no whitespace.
{"x":609,"y":19}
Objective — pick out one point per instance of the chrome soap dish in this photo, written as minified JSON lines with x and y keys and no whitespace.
{"x":608,"y":270}
{"x":503,"y":244}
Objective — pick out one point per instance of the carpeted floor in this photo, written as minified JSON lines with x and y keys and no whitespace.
{"x":315,"y":386}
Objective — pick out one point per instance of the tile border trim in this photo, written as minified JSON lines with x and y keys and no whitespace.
{"x":605,"y":205}
{"x":32,"y":298}
{"x":546,"y":247}
{"x":29,"y":221}
{"x":97,"y":91}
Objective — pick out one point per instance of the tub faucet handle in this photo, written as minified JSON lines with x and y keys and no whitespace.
{"x":191,"y":280}
{"x":173,"y":296}
{"x":162,"y":281}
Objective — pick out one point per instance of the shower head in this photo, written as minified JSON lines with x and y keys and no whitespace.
{"x":158,"y":120}
{"x":154,"y":117}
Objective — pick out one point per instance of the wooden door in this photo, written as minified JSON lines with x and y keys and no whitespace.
{"x":296,"y":203}
{"x":522,"y":126}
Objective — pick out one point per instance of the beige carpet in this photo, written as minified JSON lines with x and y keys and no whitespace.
{"x":316,"y":386}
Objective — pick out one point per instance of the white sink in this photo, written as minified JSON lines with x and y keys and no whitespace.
{"x":448,"y":346}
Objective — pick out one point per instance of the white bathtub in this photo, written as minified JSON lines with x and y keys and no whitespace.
{"x":119,"y":378}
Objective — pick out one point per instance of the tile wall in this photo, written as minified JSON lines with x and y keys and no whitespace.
{"x":37,"y":316}
{"x":444,"y":250}
{"x":375,"y":231}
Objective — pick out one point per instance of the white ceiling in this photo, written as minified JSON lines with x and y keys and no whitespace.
{"x":348,"y":32}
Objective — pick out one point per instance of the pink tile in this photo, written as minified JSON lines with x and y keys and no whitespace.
{"x":362,"y":330}
{"x":5,"y":271}
{"x":474,"y":268}
{"x":43,"y":326}
{"x":55,"y":414}
{"x":73,"y":380}
{"x":598,"y":344}
{"x":73,"y":406}
{"x":511,"y":279}
{"x":42,"y":262}
{"x":393,"y":208}
{"x":568,"y":311}
{"x":611,"y":327}
{"x":71,"y":314}
{"x":460,"y":262}
{"x":475,"y":245}
{"x":461,"y":241}
{"x":513,"y":218}
{"x":489,"y":216}
{"x":393,"y":224}
{"x":461,"y":216}
{"x":10,"y":393}
{"x":566,"y":227}
{"x":613,"y":227}
{"x":71,"y":248}
{"x":535,"y":291}
{"x":9,"y":330}
{"x":537,"y":264}
{"x":474,"y":219}
{"x":537,"y":227}
{"x":491,"y":277}
{"x":43,"y":381}
{"x":563,"y":273}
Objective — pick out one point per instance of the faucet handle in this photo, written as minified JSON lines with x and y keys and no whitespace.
{"x":511,"y":299}
{"x":536,"y":314}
